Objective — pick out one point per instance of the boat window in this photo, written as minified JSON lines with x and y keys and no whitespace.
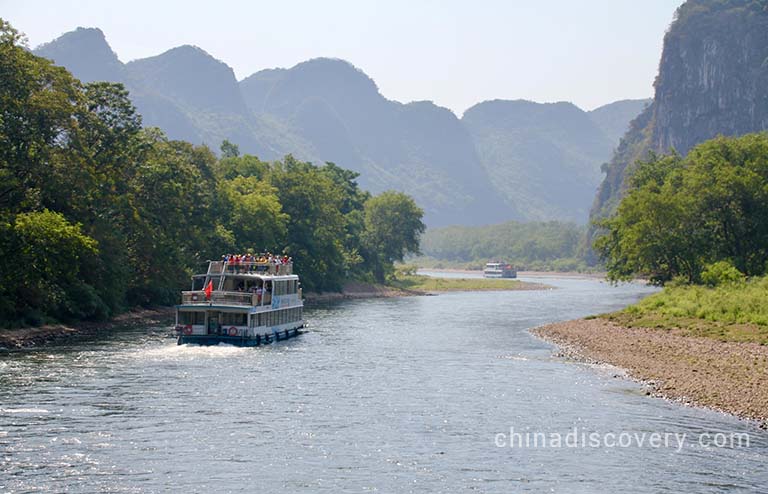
{"x":198,"y":282}
{"x":197,"y":318}
{"x":234,"y":319}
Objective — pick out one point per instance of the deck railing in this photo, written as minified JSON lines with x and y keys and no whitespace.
{"x":217,"y":298}
{"x":219,"y":267}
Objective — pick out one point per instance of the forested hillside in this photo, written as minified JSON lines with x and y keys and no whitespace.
{"x":98,"y":214}
{"x":543,"y":158}
{"x":328,"y":110}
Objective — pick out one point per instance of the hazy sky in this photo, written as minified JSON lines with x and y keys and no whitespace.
{"x":455,"y":53}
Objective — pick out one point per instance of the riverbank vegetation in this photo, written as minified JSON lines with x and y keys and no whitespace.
{"x":682,"y":217}
{"x":538,"y":246}
{"x":699,"y":226}
{"x":98,"y":214}
{"x":735,"y":311}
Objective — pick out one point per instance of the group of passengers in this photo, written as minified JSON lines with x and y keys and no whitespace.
{"x":256,"y":289}
{"x":249,"y":263}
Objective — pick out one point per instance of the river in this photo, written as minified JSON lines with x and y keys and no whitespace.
{"x":413,"y":394}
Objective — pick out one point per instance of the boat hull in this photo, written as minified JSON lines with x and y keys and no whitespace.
{"x":251,"y":341}
{"x":509,"y":274}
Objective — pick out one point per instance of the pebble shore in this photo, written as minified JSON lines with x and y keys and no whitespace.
{"x":38,"y":336}
{"x":730,"y":377}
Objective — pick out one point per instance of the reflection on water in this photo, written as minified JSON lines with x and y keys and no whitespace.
{"x":394,"y":395}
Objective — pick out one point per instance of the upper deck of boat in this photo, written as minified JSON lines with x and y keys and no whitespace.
{"x":260,"y":284}
{"x":257,"y":269}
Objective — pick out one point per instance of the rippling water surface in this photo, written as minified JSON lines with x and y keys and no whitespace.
{"x":392,"y":395}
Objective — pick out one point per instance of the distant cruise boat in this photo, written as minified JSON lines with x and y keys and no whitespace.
{"x":242,"y":303}
{"x":499,"y":269}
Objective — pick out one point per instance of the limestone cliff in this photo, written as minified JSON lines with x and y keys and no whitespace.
{"x":712,"y":80}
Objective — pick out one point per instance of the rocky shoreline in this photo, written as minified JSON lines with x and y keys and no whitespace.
{"x":725,"y":376}
{"x":31,"y":337}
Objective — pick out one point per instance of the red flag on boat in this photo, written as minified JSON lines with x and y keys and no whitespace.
{"x":209,"y":289}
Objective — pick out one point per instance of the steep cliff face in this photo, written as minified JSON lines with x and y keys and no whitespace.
{"x":713,"y":79}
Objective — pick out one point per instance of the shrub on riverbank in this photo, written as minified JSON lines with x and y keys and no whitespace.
{"x":735,"y":311}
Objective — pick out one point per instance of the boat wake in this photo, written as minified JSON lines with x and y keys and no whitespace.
{"x":175,"y":352}
{"x":23,"y":410}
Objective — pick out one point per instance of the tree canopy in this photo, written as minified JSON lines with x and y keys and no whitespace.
{"x":681,"y":215}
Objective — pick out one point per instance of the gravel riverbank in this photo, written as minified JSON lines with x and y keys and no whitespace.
{"x":28,"y":337}
{"x":731,"y":377}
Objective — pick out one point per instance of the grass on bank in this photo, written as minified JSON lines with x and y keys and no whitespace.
{"x":731,"y":312}
{"x":430,"y":284}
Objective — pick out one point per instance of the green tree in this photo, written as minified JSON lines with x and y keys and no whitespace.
{"x":254,"y":215}
{"x":392,"y":229}
{"x":352,"y":208}
{"x":37,"y":106}
{"x":172,"y":224}
{"x":52,"y":259}
{"x":241,"y":166}
{"x":229,"y":150}
{"x":316,"y":225}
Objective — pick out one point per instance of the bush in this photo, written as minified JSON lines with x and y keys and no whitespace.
{"x":406,"y":270}
{"x":721,"y":273}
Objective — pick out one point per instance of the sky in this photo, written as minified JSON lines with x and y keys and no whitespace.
{"x":455,"y":53}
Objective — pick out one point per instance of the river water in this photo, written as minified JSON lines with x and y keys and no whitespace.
{"x":414,"y":394}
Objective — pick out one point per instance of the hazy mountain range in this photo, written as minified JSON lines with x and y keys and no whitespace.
{"x":502,"y":160}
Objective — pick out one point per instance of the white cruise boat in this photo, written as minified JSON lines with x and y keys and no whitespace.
{"x":242,"y":302}
{"x":499,"y":269}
